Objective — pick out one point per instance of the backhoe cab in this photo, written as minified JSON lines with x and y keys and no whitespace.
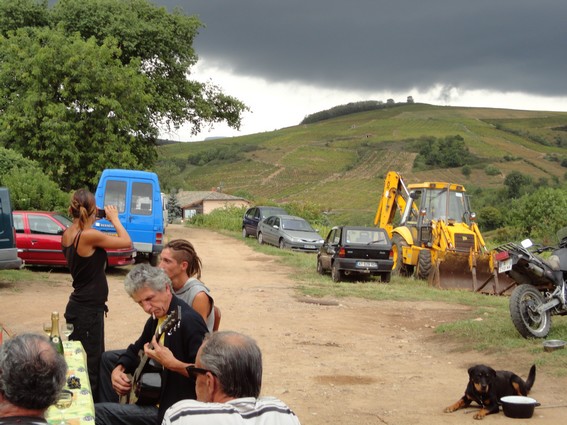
{"x":437,"y":237}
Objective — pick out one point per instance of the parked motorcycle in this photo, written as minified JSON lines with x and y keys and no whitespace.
{"x":541,"y":283}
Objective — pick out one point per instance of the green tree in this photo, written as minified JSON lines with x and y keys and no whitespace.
{"x":163,"y":43}
{"x":29,"y":188}
{"x":174,"y":210}
{"x":540,"y":214}
{"x":16,"y":14}
{"x":515,"y":182}
{"x":72,"y":106}
{"x":490,"y":218}
{"x":91,"y":88}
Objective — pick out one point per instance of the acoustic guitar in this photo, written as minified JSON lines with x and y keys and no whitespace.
{"x":146,"y":380}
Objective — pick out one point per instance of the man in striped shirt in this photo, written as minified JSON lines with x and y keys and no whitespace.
{"x":228,"y":374}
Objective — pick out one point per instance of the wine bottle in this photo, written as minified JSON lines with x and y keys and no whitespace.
{"x":55,"y":336}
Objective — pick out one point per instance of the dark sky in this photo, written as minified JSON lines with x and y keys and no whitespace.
{"x":394,"y":45}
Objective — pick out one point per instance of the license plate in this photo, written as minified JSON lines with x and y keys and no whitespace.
{"x":309,"y":246}
{"x":504,"y":266}
{"x":366,"y":264}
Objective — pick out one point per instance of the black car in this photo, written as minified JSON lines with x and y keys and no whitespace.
{"x":355,"y":250}
{"x":254,"y":215}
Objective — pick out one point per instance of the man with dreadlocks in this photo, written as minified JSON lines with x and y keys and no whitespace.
{"x":181,"y":263}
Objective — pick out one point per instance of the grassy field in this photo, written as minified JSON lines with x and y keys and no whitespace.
{"x":340,"y":164}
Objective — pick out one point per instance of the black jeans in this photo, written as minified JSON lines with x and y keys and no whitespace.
{"x":109,"y":411}
{"x":88,"y":328}
{"x":107,"y":364}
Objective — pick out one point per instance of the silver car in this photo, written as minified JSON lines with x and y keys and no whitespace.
{"x":289,"y":231}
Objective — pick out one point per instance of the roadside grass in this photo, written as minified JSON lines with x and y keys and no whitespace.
{"x":10,"y":279}
{"x":487,"y":328}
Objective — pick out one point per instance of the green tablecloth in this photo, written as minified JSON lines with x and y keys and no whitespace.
{"x":82,"y":409}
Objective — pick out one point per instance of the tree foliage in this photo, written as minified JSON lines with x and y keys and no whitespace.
{"x":29,"y":188}
{"x":517,"y":184}
{"x":340,"y":110}
{"x":448,"y":152}
{"x":87,"y":85}
{"x":539,"y":215}
{"x":72,"y":106}
{"x":174,"y":210}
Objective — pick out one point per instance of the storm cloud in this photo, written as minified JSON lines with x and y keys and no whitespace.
{"x":389,"y":45}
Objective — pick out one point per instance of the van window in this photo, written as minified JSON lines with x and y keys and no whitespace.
{"x":115,"y":194}
{"x":141,"y":198}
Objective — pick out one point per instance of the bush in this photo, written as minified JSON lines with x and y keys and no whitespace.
{"x":30,"y":190}
{"x":449,"y":152}
{"x":539,"y":214}
{"x":491,"y":170}
{"x":222,"y":218}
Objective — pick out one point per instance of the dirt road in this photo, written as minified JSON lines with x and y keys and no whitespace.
{"x":356,"y":362}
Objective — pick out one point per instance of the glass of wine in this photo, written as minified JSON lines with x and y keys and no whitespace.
{"x":68,"y":329}
{"x":64,"y":401}
{"x":47,"y":328}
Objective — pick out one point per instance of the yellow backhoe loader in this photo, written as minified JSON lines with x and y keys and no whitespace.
{"x":437,"y":237}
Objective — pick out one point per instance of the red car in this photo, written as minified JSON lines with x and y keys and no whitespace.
{"x":38,"y":239}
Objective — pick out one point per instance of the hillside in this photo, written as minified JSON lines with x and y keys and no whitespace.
{"x":340,"y":163}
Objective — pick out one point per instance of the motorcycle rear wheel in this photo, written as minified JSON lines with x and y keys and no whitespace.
{"x":524,"y":301}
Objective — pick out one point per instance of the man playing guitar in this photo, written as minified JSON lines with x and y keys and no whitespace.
{"x":178,"y":345}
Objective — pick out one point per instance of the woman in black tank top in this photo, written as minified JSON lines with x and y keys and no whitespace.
{"x":85,"y":251}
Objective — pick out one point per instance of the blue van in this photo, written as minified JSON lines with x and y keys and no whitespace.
{"x":141,"y":208}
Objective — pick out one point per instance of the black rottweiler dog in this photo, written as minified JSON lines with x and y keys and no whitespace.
{"x":486,"y":386}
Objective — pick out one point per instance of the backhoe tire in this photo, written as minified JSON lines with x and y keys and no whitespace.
{"x":524,"y":301}
{"x":424,"y":265}
{"x":399,"y":267}
{"x":336,"y":273}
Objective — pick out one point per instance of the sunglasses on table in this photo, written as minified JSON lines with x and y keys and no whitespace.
{"x":194,"y":371}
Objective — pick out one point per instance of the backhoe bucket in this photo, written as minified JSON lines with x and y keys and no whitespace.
{"x":464,"y":271}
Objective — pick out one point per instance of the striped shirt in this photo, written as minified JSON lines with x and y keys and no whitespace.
{"x":240,"y":411}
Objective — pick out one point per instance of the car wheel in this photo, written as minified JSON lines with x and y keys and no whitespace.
{"x":385,"y":277}
{"x":244,"y":233}
{"x":336,"y":273}
{"x":153,"y":260}
{"x":282,"y":244}
{"x":260,"y":238}
{"x":320,"y":267}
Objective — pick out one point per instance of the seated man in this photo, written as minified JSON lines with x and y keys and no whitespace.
{"x":151,"y":289}
{"x":32,"y":374}
{"x":228,"y":374}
